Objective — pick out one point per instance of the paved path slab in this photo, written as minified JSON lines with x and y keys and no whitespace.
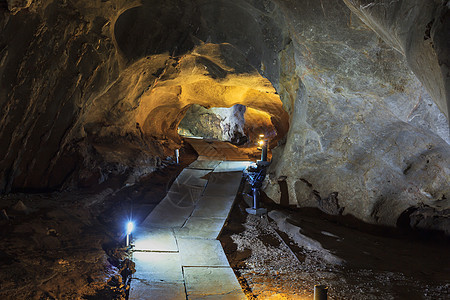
{"x":184,"y":194}
{"x":200,"y":227}
{"x":176,"y":251}
{"x":230,"y":166}
{"x":212,"y":283}
{"x":204,"y":148}
{"x":142,"y":289}
{"x":202,"y":253}
{"x":223,"y":184}
{"x":158,"y":266}
{"x":216,"y":150}
{"x":155,"y":239}
{"x":204,"y":164}
{"x":213,"y":206}
{"x":192,"y":177}
{"x":169,"y":214}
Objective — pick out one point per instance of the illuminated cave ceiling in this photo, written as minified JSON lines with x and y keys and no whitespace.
{"x":103,"y":85}
{"x":156,"y":91}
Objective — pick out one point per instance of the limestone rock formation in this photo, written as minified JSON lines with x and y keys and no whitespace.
{"x":16,"y":5}
{"x":355,"y":127}
{"x":237,"y":124}
{"x":225,"y":124}
{"x":419,"y":30}
{"x":91,"y":89}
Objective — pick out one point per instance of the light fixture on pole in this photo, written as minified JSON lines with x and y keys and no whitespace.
{"x":262,"y":142}
{"x":130,"y":227}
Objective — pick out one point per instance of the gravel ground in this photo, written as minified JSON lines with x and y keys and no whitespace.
{"x":355,"y":263}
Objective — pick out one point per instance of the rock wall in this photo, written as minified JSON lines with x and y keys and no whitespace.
{"x":92,"y":88}
{"x":419,"y":30}
{"x":237,"y":124}
{"x":221,"y":123}
{"x":54,"y":60}
{"x":365,"y":136}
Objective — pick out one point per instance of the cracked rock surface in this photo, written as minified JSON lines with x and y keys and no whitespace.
{"x":93,"y":89}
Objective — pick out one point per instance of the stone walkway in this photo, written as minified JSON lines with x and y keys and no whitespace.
{"x":216,"y":150}
{"x":176,"y":251}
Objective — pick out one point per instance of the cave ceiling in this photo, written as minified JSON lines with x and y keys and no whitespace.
{"x":357,"y":91}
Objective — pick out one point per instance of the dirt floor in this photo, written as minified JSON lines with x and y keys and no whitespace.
{"x":70,"y":245}
{"x":283,"y":255}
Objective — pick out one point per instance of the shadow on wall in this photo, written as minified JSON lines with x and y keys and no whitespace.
{"x":176,"y":27}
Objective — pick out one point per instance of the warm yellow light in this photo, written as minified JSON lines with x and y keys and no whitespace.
{"x":261,"y":143}
{"x":261,"y":136}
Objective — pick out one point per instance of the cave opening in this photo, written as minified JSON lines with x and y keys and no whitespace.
{"x":212,"y":92}
{"x":238,"y":124}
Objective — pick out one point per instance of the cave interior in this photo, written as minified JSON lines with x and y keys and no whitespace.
{"x":352,"y":98}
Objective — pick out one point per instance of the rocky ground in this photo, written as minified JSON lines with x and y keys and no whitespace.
{"x":70,"y":245}
{"x":283,"y":255}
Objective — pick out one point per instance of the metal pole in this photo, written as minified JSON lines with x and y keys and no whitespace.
{"x":264,"y":151}
{"x":255,"y":198}
{"x":177,"y":155}
{"x":320,"y":292}
{"x":128,"y":240}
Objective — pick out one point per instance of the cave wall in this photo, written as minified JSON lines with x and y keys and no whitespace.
{"x":238,"y":124}
{"x":53,"y":60}
{"x":221,"y":123}
{"x":355,"y":136}
{"x":79,"y":78}
{"x":103,"y":85}
{"x":419,"y":30}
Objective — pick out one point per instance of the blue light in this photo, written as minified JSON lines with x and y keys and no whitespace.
{"x":130,"y":227}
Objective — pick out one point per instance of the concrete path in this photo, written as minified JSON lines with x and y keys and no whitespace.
{"x":176,"y":251}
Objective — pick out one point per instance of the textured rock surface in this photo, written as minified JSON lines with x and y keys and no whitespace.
{"x":356,"y":126}
{"x":92,"y":88}
{"x":218,"y":123}
{"x":419,"y":30}
{"x":237,"y":124}
{"x":83,"y":97}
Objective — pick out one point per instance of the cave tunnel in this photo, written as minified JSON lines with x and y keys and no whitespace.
{"x":97,"y":97}
{"x":206,"y":74}
{"x":202,"y":79}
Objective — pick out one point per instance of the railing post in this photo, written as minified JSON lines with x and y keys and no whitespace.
{"x":177,"y":155}
{"x":320,"y":292}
